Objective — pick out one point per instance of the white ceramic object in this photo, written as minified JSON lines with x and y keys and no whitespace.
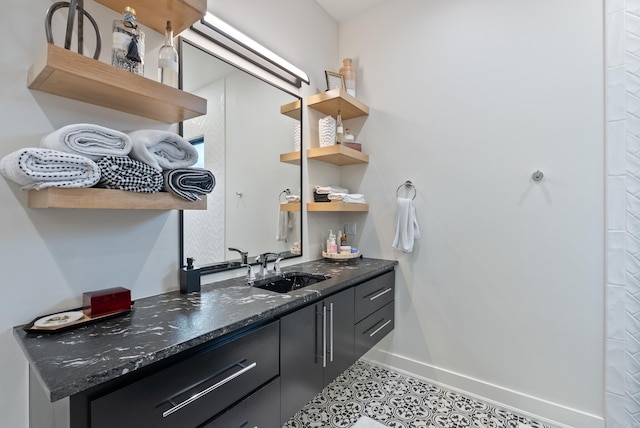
{"x":327,"y":131}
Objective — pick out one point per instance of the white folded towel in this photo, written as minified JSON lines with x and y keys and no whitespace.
{"x":292,"y":198}
{"x":162,"y":149}
{"x":354,"y":198}
{"x":284,"y":224}
{"x":336,"y":196}
{"x":407,"y":230}
{"x":325,"y":190}
{"x":86,"y":139}
{"x":36,"y":168}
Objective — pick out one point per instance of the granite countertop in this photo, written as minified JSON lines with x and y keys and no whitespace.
{"x":160,"y":326}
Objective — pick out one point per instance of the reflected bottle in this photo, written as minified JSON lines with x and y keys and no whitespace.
{"x":128,"y":43}
{"x":168,"y":60}
{"x":349,"y":75}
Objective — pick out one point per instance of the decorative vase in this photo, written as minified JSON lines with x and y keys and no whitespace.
{"x":349,"y":75}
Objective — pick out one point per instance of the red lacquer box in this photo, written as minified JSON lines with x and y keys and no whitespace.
{"x":106,"y":301}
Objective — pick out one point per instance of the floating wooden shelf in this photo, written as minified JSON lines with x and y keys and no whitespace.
{"x":155,"y":13}
{"x":337,"y":154}
{"x":291,"y":157}
{"x":293,"y":110}
{"x":95,"y":198}
{"x":62,"y":72}
{"x":290,"y":207}
{"x":336,"y":207}
{"x":335,"y":100}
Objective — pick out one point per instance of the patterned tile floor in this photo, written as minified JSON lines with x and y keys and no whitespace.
{"x":398,"y":401}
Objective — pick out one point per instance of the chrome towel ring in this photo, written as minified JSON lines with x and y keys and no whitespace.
{"x":409,"y":186}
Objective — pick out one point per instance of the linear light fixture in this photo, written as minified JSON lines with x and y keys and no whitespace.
{"x":228,"y":37}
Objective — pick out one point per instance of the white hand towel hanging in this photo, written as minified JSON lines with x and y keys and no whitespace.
{"x":407,"y":230}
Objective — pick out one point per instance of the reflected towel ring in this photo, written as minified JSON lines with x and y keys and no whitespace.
{"x":284,"y":192}
{"x":408,"y":185}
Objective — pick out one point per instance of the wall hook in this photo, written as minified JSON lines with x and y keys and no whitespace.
{"x":239,"y":194}
{"x":537,"y":176}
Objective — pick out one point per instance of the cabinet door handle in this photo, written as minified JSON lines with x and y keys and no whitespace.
{"x":208,"y":390}
{"x":331,"y":330}
{"x":324,"y":336}
{"x":380,"y":328}
{"x":380,"y":294}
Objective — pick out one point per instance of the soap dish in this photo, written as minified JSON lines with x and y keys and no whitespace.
{"x":340,"y":256}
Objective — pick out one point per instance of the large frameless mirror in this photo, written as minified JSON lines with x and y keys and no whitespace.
{"x":248,"y":139}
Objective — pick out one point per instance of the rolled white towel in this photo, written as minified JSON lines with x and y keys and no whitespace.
{"x":36,"y":168}
{"x":292,"y":198}
{"x":336,"y":196}
{"x":162,"y":149}
{"x":86,"y":139}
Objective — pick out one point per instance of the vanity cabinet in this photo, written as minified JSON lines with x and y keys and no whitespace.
{"x":316,"y":345}
{"x":374,"y":311}
{"x":195,"y":390}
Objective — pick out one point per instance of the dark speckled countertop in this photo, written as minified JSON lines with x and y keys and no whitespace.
{"x":161,"y":326}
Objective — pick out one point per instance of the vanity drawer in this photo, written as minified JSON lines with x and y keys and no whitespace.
{"x":373,"y":328}
{"x":195,"y":389}
{"x":261,"y":409}
{"x":374,"y":294}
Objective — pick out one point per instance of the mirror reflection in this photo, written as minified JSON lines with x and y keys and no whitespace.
{"x":241,"y":140}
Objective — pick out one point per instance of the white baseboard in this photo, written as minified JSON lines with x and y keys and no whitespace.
{"x":549,"y":413}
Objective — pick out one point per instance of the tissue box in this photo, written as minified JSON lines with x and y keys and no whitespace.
{"x":105,"y":301}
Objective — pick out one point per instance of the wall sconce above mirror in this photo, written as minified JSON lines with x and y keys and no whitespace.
{"x":233,"y":40}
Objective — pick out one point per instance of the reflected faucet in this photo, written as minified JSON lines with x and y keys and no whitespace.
{"x":243,"y":255}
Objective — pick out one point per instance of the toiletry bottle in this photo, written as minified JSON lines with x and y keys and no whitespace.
{"x":333,"y":246}
{"x":343,"y":239}
{"x":348,"y":136}
{"x":128,"y":43}
{"x":339,"y":129}
{"x":168,"y":60}
{"x":349,"y":75}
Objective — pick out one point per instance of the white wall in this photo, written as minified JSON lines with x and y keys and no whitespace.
{"x":503,"y":296}
{"x":50,"y":257}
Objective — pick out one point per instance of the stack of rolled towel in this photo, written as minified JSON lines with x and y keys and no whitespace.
{"x":87,"y":155}
{"x":336,"y":193}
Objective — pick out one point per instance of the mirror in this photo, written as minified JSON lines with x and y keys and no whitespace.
{"x":241,"y":140}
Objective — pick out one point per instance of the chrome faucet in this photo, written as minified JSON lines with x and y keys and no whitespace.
{"x":250,"y":275}
{"x":263,"y":260}
{"x":276,"y":266}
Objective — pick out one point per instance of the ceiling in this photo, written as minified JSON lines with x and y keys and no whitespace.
{"x":341,"y":9}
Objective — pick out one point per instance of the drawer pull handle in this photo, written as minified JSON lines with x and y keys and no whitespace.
{"x":380,"y":294}
{"x":324,"y":336}
{"x":380,"y":328}
{"x":208,"y":390}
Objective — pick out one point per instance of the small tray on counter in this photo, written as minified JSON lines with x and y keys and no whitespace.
{"x":340,"y":256}
{"x":67,"y":320}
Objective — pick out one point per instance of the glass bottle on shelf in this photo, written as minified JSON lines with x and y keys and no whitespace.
{"x":349,"y":75}
{"x":168,"y":60}
{"x":128,"y":43}
{"x":339,"y":129}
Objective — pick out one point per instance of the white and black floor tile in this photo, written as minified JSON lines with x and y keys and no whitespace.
{"x":398,"y":401}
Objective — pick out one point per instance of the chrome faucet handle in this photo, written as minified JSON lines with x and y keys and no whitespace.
{"x":276,"y":266}
{"x":251,"y":276}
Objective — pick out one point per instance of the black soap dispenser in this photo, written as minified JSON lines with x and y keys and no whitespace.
{"x":189,"y":278}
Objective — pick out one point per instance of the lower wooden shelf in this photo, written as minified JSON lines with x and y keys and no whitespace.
{"x":292,"y":157}
{"x":94,"y":198}
{"x":336,"y":207}
{"x":290,"y":207}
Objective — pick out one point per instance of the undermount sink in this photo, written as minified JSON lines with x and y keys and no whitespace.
{"x":289,"y":281}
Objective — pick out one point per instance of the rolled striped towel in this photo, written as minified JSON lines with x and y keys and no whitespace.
{"x":36,"y":168}
{"x":162,"y":149}
{"x":124,"y":173}
{"x":86,"y":139}
{"x":189,"y":183}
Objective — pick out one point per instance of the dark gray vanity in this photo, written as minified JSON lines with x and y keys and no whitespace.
{"x":232,"y":355}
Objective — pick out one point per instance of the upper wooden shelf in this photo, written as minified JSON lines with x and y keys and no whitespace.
{"x":291,"y":157}
{"x":155,"y":13}
{"x":95,"y":198}
{"x":293,"y":110}
{"x":336,"y":207}
{"x":335,"y":100}
{"x":338,"y":154}
{"x":62,"y":72}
